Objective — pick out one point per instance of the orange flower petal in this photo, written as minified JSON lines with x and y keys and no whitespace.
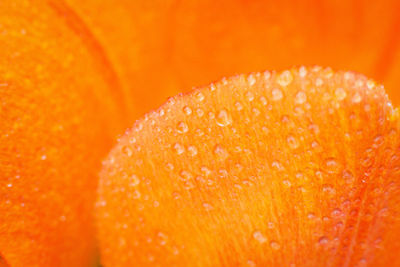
{"x":269,"y":169}
{"x":58,"y":117}
{"x":190,"y":43}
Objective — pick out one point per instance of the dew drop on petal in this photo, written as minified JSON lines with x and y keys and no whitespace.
{"x":301,"y":97}
{"x":277,"y":94}
{"x":274,"y":245}
{"x":224,"y":118}
{"x":340,"y":93}
{"x":257,"y":235}
{"x":285,"y":78}
{"x":179,"y":148}
{"x":182,"y":127}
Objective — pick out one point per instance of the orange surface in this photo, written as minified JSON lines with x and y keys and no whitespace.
{"x":269,"y":169}
{"x":74,"y":73}
{"x":60,"y":109}
{"x":159,"y":48}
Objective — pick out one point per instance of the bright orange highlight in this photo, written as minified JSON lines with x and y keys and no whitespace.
{"x":60,"y":109}
{"x":268,"y":169}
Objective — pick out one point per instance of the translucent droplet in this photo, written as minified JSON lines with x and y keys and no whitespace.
{"x":340,"y":94}
{"x":207,"y":206}
{"x":336,"y":213}
{"x":285,"y":78}
{"x":323,"y":240}
{"x":251,"y":80}
{"x":134,"y":180}
{"x":238,"y":106}
{"x":274,"y":245}
{"x":200,"y":112}
{"x":292,"y":142}
{"x":319,"y":82}
{"x":199,"y":96}
{"x":263,"y":100}
{"x":187,"y":110}
{"x":327,"y":188}
{"x":127,"y":151}
{"x":301,"y":97}
{"x":180,"y":149}
{"x":220,"y":152}
{"x":162,"y":238}
{"x":277,"y":94}
{"x":224,"y":118}
{"x":249,"y":96}
{"x":185,"y":175}
{"x":192,"y":151}
{"x":356,"y":98}
{"x":287,"y":183}
{"x":182,"y":127}
{"x":257,"y":235}
{"x":302,"y":72}
{"x":332,"y":166}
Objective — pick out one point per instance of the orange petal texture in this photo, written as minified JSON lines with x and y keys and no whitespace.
{"x":295,"y":168}
{"x":161,"y":47}
{"x":60,"y":108}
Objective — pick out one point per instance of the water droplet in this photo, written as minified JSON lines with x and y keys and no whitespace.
{"x":285,"y":78}
{"x":205,"y":170}
{"x":238,"y":106}
{"x":162,"y":238}
{"x":267,"y":75}
{"x":169,"y":166}
{"x":251,"y":80}
{"x":256,"y":112}
{"x":192,"y":151}
{"x":187,"y":110}
{"x":200,"y":112}
{"x":263,"y":100}
{"x":356,"y":98}
{"x":224,"y":118}
{"x":199,"y":96}
{"x":127,"y":151}
{"x":301,"y":97}
{"x":9,"y":185}
{"x":249,"y":96}
{"x":302,"y":72}
{"x":220,"y":152}
{"x":134,"y":180}
{"x":277,"y":94}
{"x":136,"y":194}
{"x":292,"y":142}
{"x":43,"y":157}
{"x":323,"y":240}
{"x":182,"y":127}
{"x":207,"y":206}
{"x":311,"y":216}
{"x":287,"y":183}
{"x":179,"y":148}
{"x":327,"y":188}
{"x":274,"y":245}
{"x":185,"y":175}
{"x":257,"y":235}
{"x":336,"y":213}
{"x":332,"y":166}
{"x":319,"y":82}
{"x":371,"y":84}
{"x":340,"y":94}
